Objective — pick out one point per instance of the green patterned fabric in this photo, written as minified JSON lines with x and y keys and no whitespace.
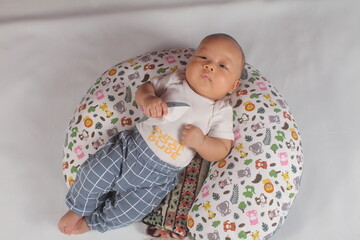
{"x":169,"y":220}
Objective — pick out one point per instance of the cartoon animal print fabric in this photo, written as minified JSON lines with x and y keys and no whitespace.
{"x":249,"y":193}
{"x":109,"y":106}
{"x":245,"y":196}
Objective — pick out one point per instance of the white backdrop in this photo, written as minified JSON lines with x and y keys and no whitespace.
{"x":51,"y":51}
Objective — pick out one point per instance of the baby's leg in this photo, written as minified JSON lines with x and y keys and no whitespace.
{"x":142,"y":191}
{"x":92,"y":185}
{"x":126,"y":208}
{"x":95,"y":179}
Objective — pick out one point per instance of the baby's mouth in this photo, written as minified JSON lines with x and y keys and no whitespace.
{"x":205,"y":76}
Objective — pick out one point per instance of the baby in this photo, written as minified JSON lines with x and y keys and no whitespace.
{"x":185,"y":114}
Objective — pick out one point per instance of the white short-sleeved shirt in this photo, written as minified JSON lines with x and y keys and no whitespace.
{"x":214,"y":118}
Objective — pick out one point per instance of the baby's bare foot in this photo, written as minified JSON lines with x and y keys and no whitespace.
{"x":68,"y":222}
{"x":81,"y":227}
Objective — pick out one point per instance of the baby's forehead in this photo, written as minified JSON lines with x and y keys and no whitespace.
{"x":218,"y":40}
{"x":231,"y":52}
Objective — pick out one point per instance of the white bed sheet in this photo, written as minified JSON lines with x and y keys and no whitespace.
{"x":51,"y":51}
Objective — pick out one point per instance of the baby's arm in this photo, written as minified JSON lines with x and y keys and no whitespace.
{"x":210,"y":148}
{"x":152,"y":105}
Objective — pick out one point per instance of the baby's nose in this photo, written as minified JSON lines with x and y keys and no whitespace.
{"x":208,"y":66}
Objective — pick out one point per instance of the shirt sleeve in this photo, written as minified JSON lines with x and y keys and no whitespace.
{"x":221,"y":125}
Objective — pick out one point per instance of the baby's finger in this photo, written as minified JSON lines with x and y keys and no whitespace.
{"x":182,"y":138}
{"x":152,"y":112}
{"x":159,"y":111}
{"x":164,"y":108}
{"x":147,"y":112}
{"x":156,"y":111}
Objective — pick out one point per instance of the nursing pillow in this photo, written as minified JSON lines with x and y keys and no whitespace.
{"x":247,"y":195}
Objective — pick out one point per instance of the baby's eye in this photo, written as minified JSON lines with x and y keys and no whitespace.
{"x":223,"y":66}
{"x":202,"y":57}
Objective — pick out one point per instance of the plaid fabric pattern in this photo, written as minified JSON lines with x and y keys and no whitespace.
{"x":121,"y":183}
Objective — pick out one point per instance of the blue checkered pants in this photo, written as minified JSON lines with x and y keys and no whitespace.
{"x":121,"y":183}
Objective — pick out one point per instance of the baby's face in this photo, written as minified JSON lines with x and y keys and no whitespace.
{"x":215,"y":68}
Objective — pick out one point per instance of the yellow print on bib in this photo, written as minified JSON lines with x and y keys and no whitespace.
{"x":166,"y":143}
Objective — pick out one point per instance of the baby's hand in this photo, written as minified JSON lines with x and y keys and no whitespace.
{"x":154,"y":107}
{"x":192,"y":136}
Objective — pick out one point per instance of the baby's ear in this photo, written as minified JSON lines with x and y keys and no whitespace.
{"x":234,"y":86}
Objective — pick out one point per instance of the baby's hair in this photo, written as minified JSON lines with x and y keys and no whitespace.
{"x":226,"y":36}
{"x":221,"y":35}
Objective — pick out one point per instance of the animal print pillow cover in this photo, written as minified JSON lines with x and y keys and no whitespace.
{"x":246,"y":194}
